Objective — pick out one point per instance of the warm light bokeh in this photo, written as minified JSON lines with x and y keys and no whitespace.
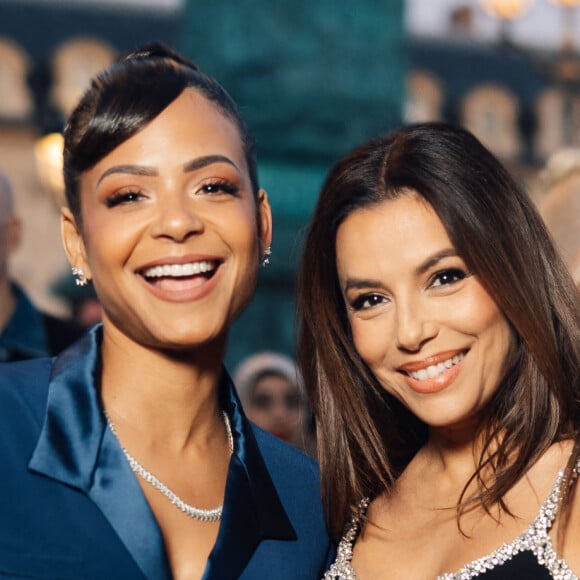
{"x":48,"y":152}
{"x":506,"y":9}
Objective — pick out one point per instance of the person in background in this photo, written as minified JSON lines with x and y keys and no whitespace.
{"x":272,"y":394}
{"x":559,"y":205}
{"x":129,"y":455}
{"x":25,"y":331}
{"x":440,"y":347}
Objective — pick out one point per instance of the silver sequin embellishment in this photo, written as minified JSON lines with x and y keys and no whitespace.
{"x":535,"y":539}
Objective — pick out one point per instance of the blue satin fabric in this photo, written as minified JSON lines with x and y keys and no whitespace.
{"x":24,"y":335}
{"x":272,"y":517}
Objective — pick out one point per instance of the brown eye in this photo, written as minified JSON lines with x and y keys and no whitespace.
{"x":367,"y":301}
{"x":122,"y":198}
{"x":218,"y":188}
{"x":447,"y":277}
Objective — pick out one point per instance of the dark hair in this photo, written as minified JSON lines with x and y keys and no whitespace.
{"x":127,"y":96}
{"x":366,"y":437}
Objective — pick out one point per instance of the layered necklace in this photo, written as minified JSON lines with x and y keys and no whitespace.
{"x":210,"y":515}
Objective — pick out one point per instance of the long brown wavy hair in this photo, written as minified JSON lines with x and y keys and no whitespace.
{"x":365,"y":436}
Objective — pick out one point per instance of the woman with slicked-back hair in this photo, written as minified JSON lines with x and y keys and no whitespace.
{"x":440,"y":348}
{"x":129,"y":456}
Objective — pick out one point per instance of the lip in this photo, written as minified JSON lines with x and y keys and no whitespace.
{"x":414,"y":366}
{"x":438,"y":383}
{"x":183,"y":289}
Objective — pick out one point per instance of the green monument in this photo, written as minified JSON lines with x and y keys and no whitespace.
{"x":313,"y":79}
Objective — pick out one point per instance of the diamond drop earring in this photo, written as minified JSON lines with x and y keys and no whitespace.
{"x":266,"y":257}
{"x":80,"y":276}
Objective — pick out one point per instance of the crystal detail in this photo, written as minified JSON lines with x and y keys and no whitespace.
{"x":204,"y":515}
{"x":535,"y":539}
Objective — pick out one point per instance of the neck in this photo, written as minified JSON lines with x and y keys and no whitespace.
{"x":452,"y":452}
{"x":170,"y":397}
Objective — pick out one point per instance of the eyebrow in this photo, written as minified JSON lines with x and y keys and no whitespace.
{"x":129,"y":169}
{"x":206,"y":160}
{"x":193,"y":165}
{"x":362,"y":283}
{"x":434,"y":259}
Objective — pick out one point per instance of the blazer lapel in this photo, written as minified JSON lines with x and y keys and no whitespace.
{"x":252,"y":508}
{"x":76,"y":448}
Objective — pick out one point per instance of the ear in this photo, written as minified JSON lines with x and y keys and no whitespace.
{"x":73,"y":243}
{"x":264,"y":219}
{"x":14,"y":234}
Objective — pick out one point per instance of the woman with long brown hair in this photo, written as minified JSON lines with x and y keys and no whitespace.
{"x":440,"y":347}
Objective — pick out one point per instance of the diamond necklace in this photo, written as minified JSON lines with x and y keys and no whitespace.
{"x":211,"y":515}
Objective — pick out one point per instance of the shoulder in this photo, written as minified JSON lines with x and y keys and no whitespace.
{"x":24,"y":390}
{"x":282,"y":456}
{"x":296,"y":480}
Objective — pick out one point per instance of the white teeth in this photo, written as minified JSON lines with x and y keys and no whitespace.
{"x":178,"y":270}
{"x":435,"y":370}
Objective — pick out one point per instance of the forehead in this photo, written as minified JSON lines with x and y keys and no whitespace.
{"x":395,"y":232}
{"x":274,"y":381}
{"x":390,"y":217}
{"x":196,"y":119}
{"x":190,"y":126}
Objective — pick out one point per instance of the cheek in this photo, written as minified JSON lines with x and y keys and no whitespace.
{"x":239,"y":230}
{"x":500,"y":337}
{"x":486,"y":321}
{"x":371,"y":340}
{"x":256,"y":415}
{"x":484,"y":317}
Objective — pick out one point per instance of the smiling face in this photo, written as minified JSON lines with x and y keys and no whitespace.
{"x":425,"y":326}
{"x":171,"y":231}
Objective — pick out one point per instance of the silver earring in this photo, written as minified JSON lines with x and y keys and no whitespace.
{"x":80,"y":276}
{"x":266,"y":257}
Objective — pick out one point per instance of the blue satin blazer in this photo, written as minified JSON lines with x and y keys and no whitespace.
{"x":71,"y":508}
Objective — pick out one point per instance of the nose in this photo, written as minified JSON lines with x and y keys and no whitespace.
{"x":177,"y":217}
{"x":414,"y":326}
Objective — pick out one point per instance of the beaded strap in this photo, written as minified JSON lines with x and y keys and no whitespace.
{"x":535,"y":539}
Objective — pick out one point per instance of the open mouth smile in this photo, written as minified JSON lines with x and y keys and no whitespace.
{"x":435,"y":370}
{"x":181,"y":282}
{"x":181,"y":270}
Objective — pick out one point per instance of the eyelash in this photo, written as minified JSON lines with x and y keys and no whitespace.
{"x":359,"y":302}
{"x":456,"y":275}
{"x":210,"y":188}
{"x":452,"y":275}
{"x":122,"y":197}
{"x":219,"y":186}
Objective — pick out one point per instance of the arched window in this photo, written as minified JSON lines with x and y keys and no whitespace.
{"x":491,"y":113}
{"x":73,"y":65}
{"x":424,"y":100}
{"x":16,"y":102}
{"x":558,"y":117}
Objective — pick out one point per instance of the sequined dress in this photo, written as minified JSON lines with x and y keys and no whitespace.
{"x":531,"y":556}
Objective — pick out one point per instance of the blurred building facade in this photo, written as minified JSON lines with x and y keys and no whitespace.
{"x":48,"y":51}
{"x":522,"y":102}
{"x":313,"y":80}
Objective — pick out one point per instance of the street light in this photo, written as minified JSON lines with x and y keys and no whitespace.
{"x":506,"y":9}
{"x":48,"y":156}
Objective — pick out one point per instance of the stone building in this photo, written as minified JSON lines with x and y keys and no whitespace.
{"x":313,"y":79}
